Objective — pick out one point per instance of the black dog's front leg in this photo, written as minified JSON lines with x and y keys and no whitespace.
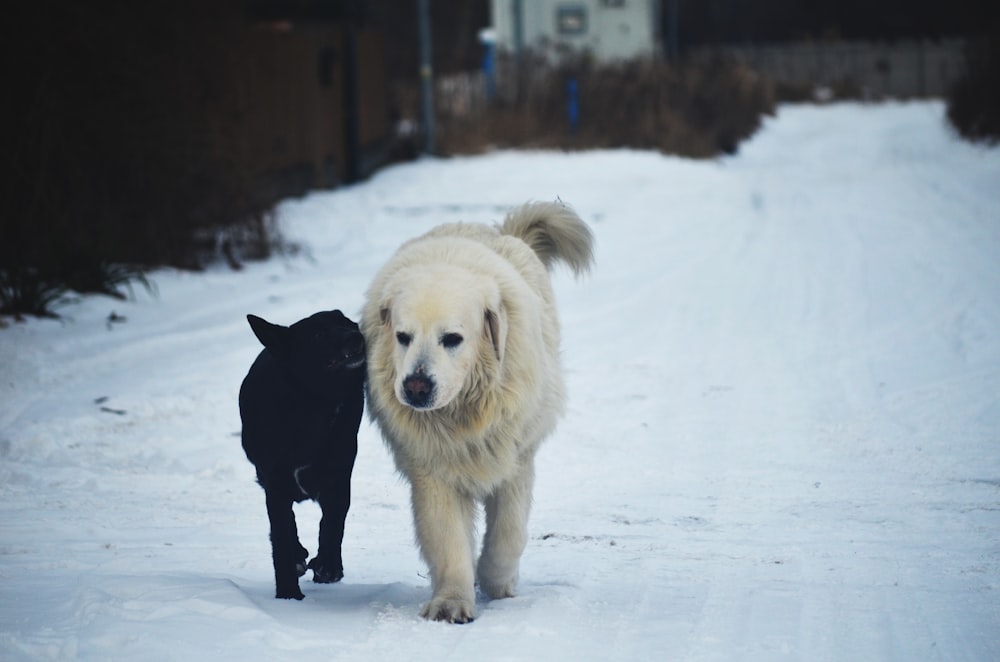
{"x":334,"y":500}
{"x":289,"y":556}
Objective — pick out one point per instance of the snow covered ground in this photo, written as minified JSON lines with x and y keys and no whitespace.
{"x":783,"y":439}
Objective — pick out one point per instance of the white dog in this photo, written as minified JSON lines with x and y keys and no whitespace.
{"x":464,"y":382}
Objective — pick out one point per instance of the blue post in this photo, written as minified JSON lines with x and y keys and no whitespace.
{"x":573,"y":103}
{"x":489,"y":69}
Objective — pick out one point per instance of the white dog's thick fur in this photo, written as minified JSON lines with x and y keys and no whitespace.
{"x":464,"y":381}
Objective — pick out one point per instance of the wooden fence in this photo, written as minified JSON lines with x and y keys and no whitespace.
{"x":902,"y":69}
{"x":309,"y":103}
{"x":141,"y":127}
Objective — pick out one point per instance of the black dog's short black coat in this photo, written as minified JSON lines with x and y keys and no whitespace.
{"x":301,"y":405}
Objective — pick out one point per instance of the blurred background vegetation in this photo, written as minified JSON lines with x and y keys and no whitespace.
{"x":162,"y":133}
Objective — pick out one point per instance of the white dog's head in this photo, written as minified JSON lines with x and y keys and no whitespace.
{"x":443,"y":325}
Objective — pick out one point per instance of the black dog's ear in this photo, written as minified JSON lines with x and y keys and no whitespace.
{"x":272,"y":336}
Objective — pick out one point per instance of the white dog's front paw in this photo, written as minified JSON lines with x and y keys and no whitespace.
{"x":496,"y":580}
{"x":450,"y":610}
{"x":498,"y":588}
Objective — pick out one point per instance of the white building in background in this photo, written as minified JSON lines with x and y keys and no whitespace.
{"x":607,"y":29}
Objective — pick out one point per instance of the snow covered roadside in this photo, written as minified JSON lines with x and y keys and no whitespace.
{"x":783,"y":439}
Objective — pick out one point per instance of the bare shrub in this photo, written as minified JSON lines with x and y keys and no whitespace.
{"x":697,"y":110}
{"x":974,"y":101}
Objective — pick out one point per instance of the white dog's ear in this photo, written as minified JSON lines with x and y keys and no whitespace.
{"x":496,"y":330}
{"x":384,"y":315}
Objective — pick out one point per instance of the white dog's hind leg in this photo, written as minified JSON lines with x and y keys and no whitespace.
{"x":506,"y":534}
{"x":445,"y":521}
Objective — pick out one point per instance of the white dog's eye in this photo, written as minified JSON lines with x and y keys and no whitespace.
{"x":404,"y":339}
{"x":450,"y":340}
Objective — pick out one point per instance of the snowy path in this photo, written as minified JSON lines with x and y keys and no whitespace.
{"x":783,"y":439}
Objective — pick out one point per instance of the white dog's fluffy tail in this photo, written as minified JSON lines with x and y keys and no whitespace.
{"x":554,"y":232}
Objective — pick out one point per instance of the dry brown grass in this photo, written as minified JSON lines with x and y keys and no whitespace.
{"x":696,"y":110}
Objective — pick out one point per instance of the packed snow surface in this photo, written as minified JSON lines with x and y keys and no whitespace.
{"x":782,"y":442}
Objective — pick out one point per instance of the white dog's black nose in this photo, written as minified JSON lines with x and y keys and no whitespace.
{"x":418,"y":390}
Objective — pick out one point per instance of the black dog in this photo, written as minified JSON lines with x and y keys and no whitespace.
{"x":301,"y":405}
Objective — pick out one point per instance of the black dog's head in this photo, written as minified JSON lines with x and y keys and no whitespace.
{"x":317,"y":350}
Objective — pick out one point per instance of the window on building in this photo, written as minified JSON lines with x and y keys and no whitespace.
{"x":571,"y":19}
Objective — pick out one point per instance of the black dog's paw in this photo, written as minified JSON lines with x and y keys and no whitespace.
{"x":289,"y":593}
{"x":300,"y":560}
{"x":324,"y":573}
